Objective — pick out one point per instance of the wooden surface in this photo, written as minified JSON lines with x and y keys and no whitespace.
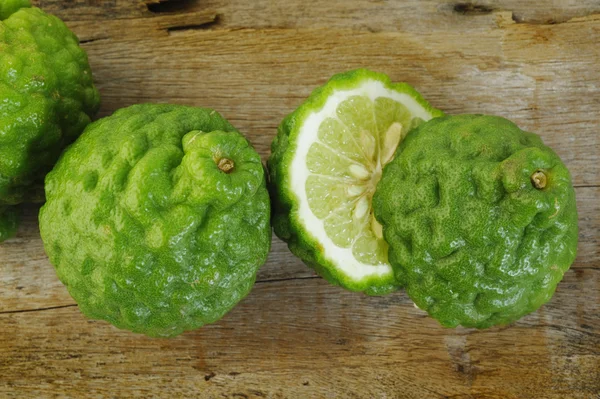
{"x":295,"y":336}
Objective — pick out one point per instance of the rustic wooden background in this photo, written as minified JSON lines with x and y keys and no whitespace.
{"x":295,"y":336}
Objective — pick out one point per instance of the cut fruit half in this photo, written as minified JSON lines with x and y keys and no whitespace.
{"x":326,"y":163}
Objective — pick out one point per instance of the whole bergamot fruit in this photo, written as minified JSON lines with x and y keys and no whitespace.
{"x":326,"y":161}
{"x":480,"y":219}
{"x":47,"y":98}
{"x":157,"y":218}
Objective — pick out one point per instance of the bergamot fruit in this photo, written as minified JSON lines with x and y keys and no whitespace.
{"x":47,"y":97}
{"x":480,"y":219}
{"x":326,"y":161}
{"x":157,"y":218}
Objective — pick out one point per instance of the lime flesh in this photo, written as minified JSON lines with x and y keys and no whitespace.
{"x":325,"y":164}
{"x":345,"y":165}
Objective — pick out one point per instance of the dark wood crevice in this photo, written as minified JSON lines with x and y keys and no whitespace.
{"x":37,"y":310}
{"x":170,"y":6}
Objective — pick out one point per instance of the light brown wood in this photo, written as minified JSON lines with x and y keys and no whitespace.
{"x":255,"y":77}
{"x":295,"y":336}
{"x":305,"y":338}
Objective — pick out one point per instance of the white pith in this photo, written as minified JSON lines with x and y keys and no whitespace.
{"x":342,"y":258}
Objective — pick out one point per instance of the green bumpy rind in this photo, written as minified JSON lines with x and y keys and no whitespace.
{"x":145,"y":229}
{"x":285,"y":203}
{"x":471,"y":237}
{"x":47,"y":98}
{"x":9,"y":7}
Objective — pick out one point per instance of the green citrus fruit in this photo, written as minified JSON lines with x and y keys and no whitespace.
{"x":157,"y":218}
{"x":480,"y":219}
{"x":47,"y":97}
{"x":326,"y":161}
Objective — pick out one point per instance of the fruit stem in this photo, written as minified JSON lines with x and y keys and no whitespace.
{"x":226,"y":165}
{"x":539,"y":179}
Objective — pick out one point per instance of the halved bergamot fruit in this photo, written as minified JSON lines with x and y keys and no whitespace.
{"x":326,"y":161}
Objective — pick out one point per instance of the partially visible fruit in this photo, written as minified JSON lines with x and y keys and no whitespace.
{"x":47,"y":98}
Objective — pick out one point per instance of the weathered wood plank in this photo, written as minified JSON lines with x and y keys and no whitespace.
{"x":302,"y":338}
{"x":255,"y":77}
{"x":408,"y":15}
{"x":295,"y":336}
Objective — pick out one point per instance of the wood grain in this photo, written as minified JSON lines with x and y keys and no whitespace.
{"x":315,"y":340}
{"x":378,"y":15}
{"x":295,"y":336}
{"x":523,"y":72}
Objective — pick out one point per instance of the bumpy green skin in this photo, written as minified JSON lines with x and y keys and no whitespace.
{"x":143,"y":227}
{"x":285,"y":209}
{"x":47,"y":97}
{"x":9,"y":7}
{"x":473,"y":240}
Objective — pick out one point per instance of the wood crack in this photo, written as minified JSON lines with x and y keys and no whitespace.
{"x":567,"y":328}
{"x":472,"y":9}
{"x":166,"y":6}
{"x":152,"y":27}
{"x":586,"y":185}
{"x":93,"y":39}
{"x":277,"y":280}
{"x":216,"y":20}
{"x":191,"y":20}
{"x":554,"y":21}
{"x":37,"y":310}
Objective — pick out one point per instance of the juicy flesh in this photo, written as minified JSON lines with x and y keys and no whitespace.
{"x":345,"y":165}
